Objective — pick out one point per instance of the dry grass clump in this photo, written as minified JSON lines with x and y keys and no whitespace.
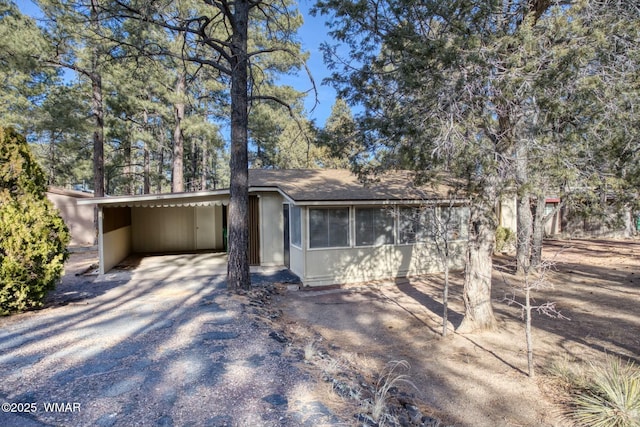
{"x":605,"y":394}
{"x":392,"y":375}
{"x":310,"y":350}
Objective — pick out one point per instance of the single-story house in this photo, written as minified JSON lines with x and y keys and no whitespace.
{"x":326,"y":226}
{"x":79,"y":218}
{"x":506,"y":212}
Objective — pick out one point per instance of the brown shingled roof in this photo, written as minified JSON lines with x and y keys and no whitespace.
{"x":307,"y":185}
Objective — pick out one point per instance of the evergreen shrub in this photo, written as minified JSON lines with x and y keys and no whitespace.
{"x":505,"y":238}
{"x":33,"y":236}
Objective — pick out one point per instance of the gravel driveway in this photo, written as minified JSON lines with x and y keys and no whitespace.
{"x":159,"y":345}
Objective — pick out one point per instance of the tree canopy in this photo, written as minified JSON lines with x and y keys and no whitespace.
{"x":34,"y":237}
{"x":493,"y":93}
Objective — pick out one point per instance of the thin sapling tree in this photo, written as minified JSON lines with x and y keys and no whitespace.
{"x":527,"y":283}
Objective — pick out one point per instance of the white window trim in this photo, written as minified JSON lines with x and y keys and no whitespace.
{"x":394,"y":231}
{"x":349,"y":227}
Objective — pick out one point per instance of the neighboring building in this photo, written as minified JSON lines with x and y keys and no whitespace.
{"x":613,"y":221}
{"x":79,"y":218}
{"x":566,"y":222}
{"x":324,"y":225}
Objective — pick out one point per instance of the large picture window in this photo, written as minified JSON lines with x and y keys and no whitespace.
{"x":374,"y":226}
{"x":423,"y":224}
{"x":455,"y":222}
{"x":328,"y":227}
{"x":416,"y":224}
{"x":296,"y":227}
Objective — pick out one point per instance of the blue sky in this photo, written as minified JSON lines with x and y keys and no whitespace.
{"x":312,"y":34}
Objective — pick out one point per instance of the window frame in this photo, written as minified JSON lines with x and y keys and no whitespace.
{"x":292,"y":235}
{"x":425,"y":232}
{"x":329,"y":246}
{"x":462,"y":226}
{"x":384,"y":210}
{"x":434,"y":223}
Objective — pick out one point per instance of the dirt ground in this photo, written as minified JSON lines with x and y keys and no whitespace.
{"x":475,"y":379}
{"x":346,"y":338}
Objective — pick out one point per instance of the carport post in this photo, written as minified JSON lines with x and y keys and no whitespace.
{"x":100,"y":241}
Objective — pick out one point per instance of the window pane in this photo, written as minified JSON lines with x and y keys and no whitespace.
{"x":416,"y":224}
{"x":408,"y":224}
{"x":374,"y":226}
{"x":427,"y":229}
{"x":318,"y":225}
{"x":338,"y":227}
{"x":328,"y":228}
{"x":464,"y":213}
{"x":454,"y":222}
{"x":296,"y":229}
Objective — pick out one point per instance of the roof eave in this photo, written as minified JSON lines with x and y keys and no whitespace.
{"x":151,"y":197}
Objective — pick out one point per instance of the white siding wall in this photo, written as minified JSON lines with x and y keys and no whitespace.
{"x":118,"y":245}
{"x":361,"y":264}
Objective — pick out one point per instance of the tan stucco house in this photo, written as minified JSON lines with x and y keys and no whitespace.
{"x":324,"y":225}
{"x":79,"y":218}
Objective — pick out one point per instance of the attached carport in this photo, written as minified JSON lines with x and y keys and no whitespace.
{"x":155,"y":224}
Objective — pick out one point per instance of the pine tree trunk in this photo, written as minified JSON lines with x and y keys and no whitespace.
{"x":204,"y":165}
{"x":238,"y":257}
{"x":98,"y":135}
{"x":127,"y":170}
{"x":177,"y":170}
{"x":146,"y":169}
{"x":97,"y":111}
{"x":477,"y":284}
{"x":538,"y":232}
{"x":146,"y":158}
{"x":194,"y":183}
{"x":160,"y":169}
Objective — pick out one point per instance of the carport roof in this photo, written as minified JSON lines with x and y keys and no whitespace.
{"x":200,"y":198}
{"x":301,"y":186}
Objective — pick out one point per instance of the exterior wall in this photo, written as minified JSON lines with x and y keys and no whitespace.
{"x":552,"y":226}
{"x":615,"y":224}
{"x":297,"y":262}
{"x":176,"y":229}
{"x":163,"y":229}
{"x":118,"y":243}
{"x":361,"y":264}
{"x":507,"y":213}
{"x":355,"y":264}
{"x":79,"y":219}
{"x":271,"y":229}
